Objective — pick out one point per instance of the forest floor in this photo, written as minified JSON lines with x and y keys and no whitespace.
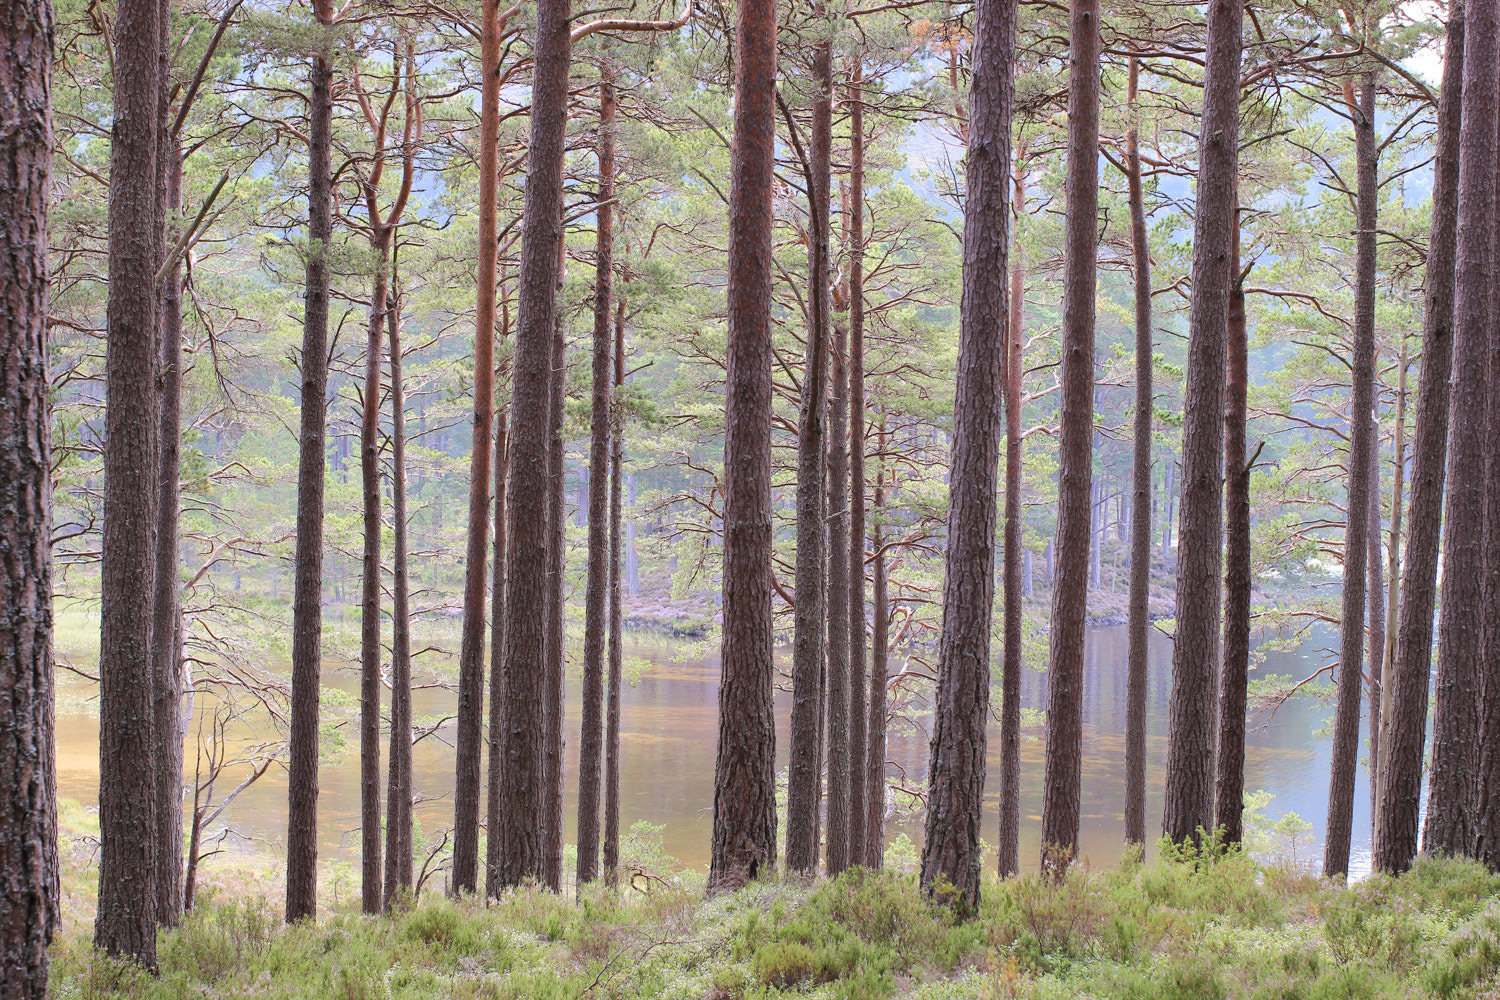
{"x":1178,"y":928}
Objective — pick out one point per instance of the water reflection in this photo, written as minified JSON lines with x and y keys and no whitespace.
{"x":669,"y":728}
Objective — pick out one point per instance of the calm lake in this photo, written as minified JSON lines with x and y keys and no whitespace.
{"x":669,"y":730}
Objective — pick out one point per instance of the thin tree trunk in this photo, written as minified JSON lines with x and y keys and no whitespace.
{"x":744,"y":830}
{"x":398,"y":832}
{"x":841,"y":768}
{"x":1393,"y":601}
{"x":955,"y":798}
{"x":808,"y":641}
{"x":471,"y":649}
{"x":1356,"y":533}
{"x":595,"y":611}
{"x":166,"y":627}
{"x":1375,"y":600}
{"x":28,"y":819}
{"x":371,"y":869}
{"x":493,"y":777}
{"x":555,"y":640}
{"x":1450,"y":826}
{"x":1229,"y":782}
{"x":126,"y":921}
{"x":616,"y":639}
{"x":1190,"y":753}
{"x":1137,"y":665}
{"x":1406,"y":721}
{"x":1009,"y":849}
{"x":307,"y":604}
{"x":1061,"y":791}
{"x":879,"y":654}
{"x":861,"y":787}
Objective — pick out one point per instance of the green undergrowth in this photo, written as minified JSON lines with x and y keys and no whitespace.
{"x":1182,"y":928}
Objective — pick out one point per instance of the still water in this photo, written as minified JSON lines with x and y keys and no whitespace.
{"x":669,"y":729}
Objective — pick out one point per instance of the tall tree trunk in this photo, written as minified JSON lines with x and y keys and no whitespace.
{"x":1139,"y":627}
{"x":1229,"y":781}
{"x":398,"y":832}
{"x":595,"y":611}
{"x":1406,"y":722}
{"x":496,"y":733}
{"x":616,"y":639}
{"x":471,"y":649}
{"x":862,"y":787}
{"x":126,"y":921}
{"x":955,"y":798}
{"x":555,"y":639}
{"x":1393,"y":571}
{"x":1375,"y":608}
{"x":1485,"y":783}
{"x":28,"y":775}
{"x":1061,"y":791}
{"x":1450,"y":823}
{"x":841,"y":769}
{"x":166,"y":616}
{"x":804,"y":769}
{"x":1009,"y":849}
{"x":1356,"y":533}
{"x":1190,"y":753}
{"x":371,"y":869}
{"x":744,"y":831}
{"x":879,"y":655}
{"x":522,"y":846}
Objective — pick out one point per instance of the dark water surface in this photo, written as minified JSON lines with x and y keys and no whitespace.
{"x":669,"y":724}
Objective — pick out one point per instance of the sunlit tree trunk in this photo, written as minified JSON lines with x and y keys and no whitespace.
{"x":1061,"y":786}
{"x":398,"y":832}
{"x":1406,"y":721}
{"x":955,"y":797}
{"x":471,"y":649}
{"x":555,"y":640}
{"x":841,"y":769}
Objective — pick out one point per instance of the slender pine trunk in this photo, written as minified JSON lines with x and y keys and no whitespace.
{"x":616,"y":638}
{"x":862,"y":787}
{"x":371,"y":869}
{"x":1008,"y":851}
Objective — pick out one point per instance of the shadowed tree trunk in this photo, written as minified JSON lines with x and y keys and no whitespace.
{"x":1406,"y":722}
{"x":804,"y":773}
{"x":524,"y":800}
{"x":1450,"y":822}
{"x":879,"y":655}
{"x":555,"y":640}
{"x":1382,"y":726}
{"x":841,"y":768}
{"x":616,"y":639}
{"x":166,"y":623}
{"x":129,"y":845}
{"x":398,"y":832}
{"x":955,"y":798}
{"x":307,"y":604}
{"x":860,"y":786}
{"x":1375,"y":603}
{"x":369,"y":606}
{"x":1356,"y":533}
{"x":1138,"y":629}
{"x":1061,"y":789}
{"x":1190,"y":753}
{"x":1229,"y":780}
{"x":28,"y":777}
{"x":493,"y":796}
{"x":471,"y":649}
{"x":1009,"y":849}
{"x":744,"y":830}
{"x":595,"y":611}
